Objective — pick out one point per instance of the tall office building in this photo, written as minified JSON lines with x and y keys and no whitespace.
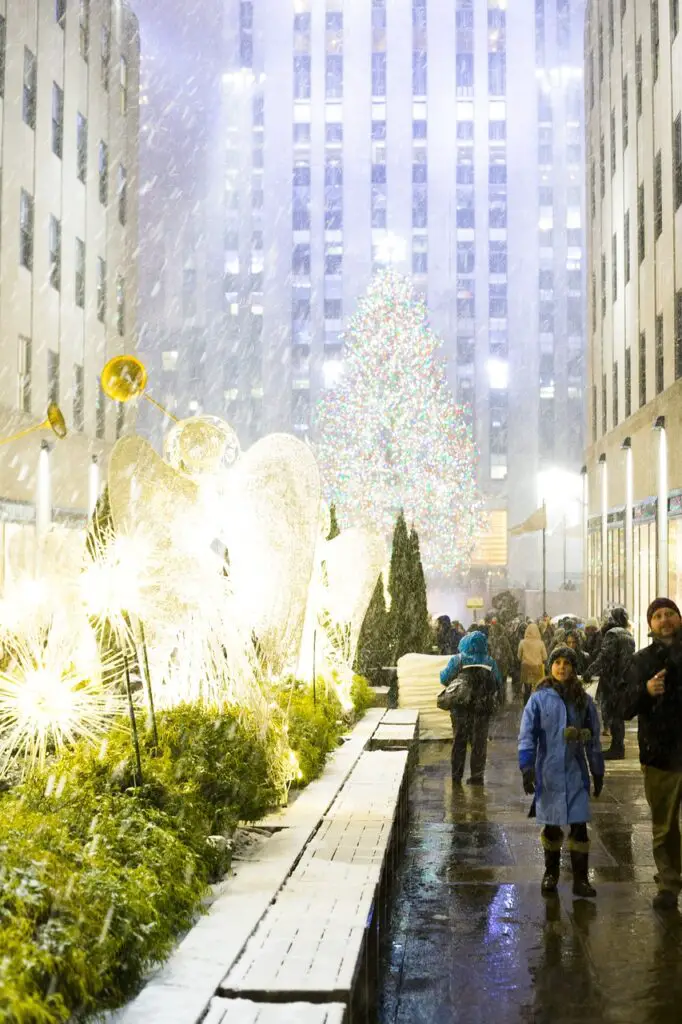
{"x":68,"y":290}
{"x":444,"y":137}
{"x":633,"y":55}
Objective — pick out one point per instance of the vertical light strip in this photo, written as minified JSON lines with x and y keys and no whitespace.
{"x":43,"y":492}
{"x":604,"y":529}
{"x":587,"y":568}
{"x":662,"y":514}
{"x":629,"y":499}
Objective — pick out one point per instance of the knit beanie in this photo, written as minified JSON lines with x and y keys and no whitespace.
{"x":563,"y":652}
{"x":660,"y":602}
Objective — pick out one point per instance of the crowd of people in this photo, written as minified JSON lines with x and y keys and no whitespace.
{"x":562,"y":764}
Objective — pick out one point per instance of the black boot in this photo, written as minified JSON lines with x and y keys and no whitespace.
{"x":614,"y":754}
{"x":550,"y":879}
{"x":581,"y":885}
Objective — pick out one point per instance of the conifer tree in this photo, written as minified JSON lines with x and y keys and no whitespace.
{"x":374,"y":652}
{"x":334,"y":528}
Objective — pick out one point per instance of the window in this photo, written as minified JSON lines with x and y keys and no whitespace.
{"x":546,"y":280}
{"x":78,"y":399}
{"x":641,"y":226}
{"x":103,"y":172}
{"x":497,"y":300}
{"x":57,"y":120}
{"x":302,"y":77}
{"x":246,"y":34}
{"x":419,"y":65}
{"x":674,"y":18}
{"x":602,"y":167}
{"x":53,"y":377}
{"x":464,"y":65}
{"x":81,"y":147}
{"x":626,"y":121}
{"x":465,"y":351}
{"x":611,"y":24}
{"x":120,"y":305}
{"x":26,"y":230}
{"x":594,"y":412}
{"x":105,"y":56}
{"x":466,"y":257}
{"x":3,"y":53}
{"x":659,"y":353}
{"x":638,"y":76}
{"x":60,"y":12}
{"x":600,"y":51}
{"x":628,"y":383}
{"x":332,"y":309}
{"x":420,"y":263}
{"x":334,"y":79}
{"x":593,"y":191}
{"x":333,"y":260}
{"x":678,"y":334}
{"x":626,"y":246}
{"x":29,"y":91}
{"x":604,"y":424}
{"x":300,"y":260}
{"x":497,"y":258}
{"x":497,"y":74}
{"x":593,"y":295}
{"x":123,"y":85}
{"x":122,"y":192}
{"x":655,"y":37}
{"x":84,"y":29}
{"x":658,"y":197}
{"x":24,"y":365}
{"x":420,"y":208}
{"x":55,"y":245}
{"x":466,"y":299}
{"x":120,"y":419}
{"x":101,"y":289}
{"x":677,"y":162}
{"x":378,"y":74}
{"x":614,"y":395}
{"x":614,"y":268}
{"x":80,"y":273}
{"x":613,"y":142}
{"x":642,"y":369}
{"x":603,"y":285}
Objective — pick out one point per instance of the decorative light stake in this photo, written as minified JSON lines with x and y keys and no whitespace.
{"x":133,"y":721}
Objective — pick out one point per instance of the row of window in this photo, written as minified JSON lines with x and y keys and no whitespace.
{"x":563,"y":27}
{"x":26,"y":246}
{"x":659,"y":372}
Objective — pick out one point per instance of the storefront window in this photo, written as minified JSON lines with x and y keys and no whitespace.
{"x":594,"y":572}
{"x":615,"y":585}
{"x":675,"y":559}
{"x":644,"y":576}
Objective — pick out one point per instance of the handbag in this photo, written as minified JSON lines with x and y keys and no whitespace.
{"x":458,"y":694}
{"x":471,"y":690}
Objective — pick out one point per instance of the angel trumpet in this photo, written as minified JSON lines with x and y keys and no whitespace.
{"x":125,"y":377}
{"x":54,"y":422}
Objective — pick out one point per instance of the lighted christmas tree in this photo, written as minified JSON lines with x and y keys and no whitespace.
{"x":391,"y":436}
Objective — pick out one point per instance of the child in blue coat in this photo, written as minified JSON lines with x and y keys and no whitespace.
{"x":558,"y":749}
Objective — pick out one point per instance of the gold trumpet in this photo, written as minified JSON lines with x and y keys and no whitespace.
{"x":125,"y":377}
{"x":54,"y":422}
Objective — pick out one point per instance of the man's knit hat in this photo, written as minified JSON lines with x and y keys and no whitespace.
{"x":660,"y":602}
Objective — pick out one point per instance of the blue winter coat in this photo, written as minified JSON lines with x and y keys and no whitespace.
{"x":473,"y":650}
{"x":562,"y":767}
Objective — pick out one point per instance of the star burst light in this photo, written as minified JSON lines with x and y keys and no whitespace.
{"x":51,"y":694}
{"x":391,"y":434}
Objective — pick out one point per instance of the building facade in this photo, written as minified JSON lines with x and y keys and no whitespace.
{"x":68,"y":236}
{"x":444,"y":137}
{"x":633,"y":480}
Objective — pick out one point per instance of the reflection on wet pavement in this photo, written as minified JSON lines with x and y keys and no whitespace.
{"x":473,"y":940}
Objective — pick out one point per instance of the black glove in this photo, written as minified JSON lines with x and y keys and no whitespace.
{"x":529,"y":781}
{"x":598,"y":784}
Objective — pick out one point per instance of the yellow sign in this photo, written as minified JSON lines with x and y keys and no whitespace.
{"x":475,"y":602}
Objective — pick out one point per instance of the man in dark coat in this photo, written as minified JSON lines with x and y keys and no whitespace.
{"x":611,"y":665}
{"x":653,"y":692}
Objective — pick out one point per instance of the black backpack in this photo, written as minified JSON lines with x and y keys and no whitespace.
{"x":474,"y":689}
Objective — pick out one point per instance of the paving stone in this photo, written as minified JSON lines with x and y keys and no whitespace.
{"x":243,"y":1011}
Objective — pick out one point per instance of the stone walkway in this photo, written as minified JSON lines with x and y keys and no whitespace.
{"x":473,"y":941}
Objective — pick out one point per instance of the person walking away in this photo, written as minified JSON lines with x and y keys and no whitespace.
{"x":500,"y":651}
{"x":611,"y":665}
{"x":653,"y":693}
{"x":444,"y":642}
{"x":558,"y":749}
{"x":470,"y":725}
{"x":532,"y":655}
{"x":592,"y":639}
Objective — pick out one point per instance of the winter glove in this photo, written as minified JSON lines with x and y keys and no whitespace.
{"x":529,"y":781}
{"x":598,"y":784}
{"x":571,"y":734}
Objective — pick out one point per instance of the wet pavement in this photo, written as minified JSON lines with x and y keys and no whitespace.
{"x":471,"y":938}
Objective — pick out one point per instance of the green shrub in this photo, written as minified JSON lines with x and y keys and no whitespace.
{"x":362,"y":695}
{"x":315,"y":725}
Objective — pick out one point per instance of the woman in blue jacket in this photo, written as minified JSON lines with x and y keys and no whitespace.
{"x":470,"y":725}
{"x":558,"y":748}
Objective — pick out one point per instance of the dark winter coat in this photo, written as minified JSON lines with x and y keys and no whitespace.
{"x":500,"y":650}
{"x":660,"y":718}
{"x":611,"y":665}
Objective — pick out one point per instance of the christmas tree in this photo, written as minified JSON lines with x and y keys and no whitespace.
{"x":374,"y":650}
{"x":392,"y":437}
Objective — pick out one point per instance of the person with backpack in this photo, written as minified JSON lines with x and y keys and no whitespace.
{"x":611,"y":665}
{"x":559,"y":747}
{"x":481,"y":690}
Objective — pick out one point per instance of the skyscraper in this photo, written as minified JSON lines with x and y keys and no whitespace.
{"x":443,"y":137}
